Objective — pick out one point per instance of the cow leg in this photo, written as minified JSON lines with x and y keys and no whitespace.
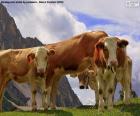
{"x":3,"y":84}
{"x":54,"y":93}
{"x":96,"y":96}
{"x":48,"y":96}
{"x":44,"y":104}
{"x":110,"y":98}
{"x":100,"y":93}
{"x":44,"y":94}
{"x":101,"y":100}
{"x":34,"y":104}
{"x":110,"y":92}
{"x":126,"y":90}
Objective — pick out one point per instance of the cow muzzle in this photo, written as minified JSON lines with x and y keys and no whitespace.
{"x":83,"y":87}
{"x":114,"y":63}
{"x":41,"y":73}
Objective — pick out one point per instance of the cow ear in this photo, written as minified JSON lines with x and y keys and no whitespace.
{"x":30,"y":57}
{"x":122,"y":43}
{"x":100,"y":45}
{"x":51,"y":52}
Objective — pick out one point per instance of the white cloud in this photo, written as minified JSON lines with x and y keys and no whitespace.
{"x":109,"y":9}
{"x":48,"y":22}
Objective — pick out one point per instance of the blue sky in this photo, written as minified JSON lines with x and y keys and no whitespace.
{"x":90,"y":20}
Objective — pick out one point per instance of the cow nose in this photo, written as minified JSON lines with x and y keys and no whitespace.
{"x":81,"y":87}
{"x":41,"y":72}
{"x":114,"y":63}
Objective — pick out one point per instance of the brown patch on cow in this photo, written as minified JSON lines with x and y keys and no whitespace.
{"x":70,"y":53}
{"x":88,"y":38}
{"x":122,"y":43}
{"x":99,"y":58}
{"x":30,"y":58}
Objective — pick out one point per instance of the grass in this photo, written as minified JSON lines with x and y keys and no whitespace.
{"x":119,"y":110}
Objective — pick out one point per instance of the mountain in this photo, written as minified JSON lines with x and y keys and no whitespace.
{"x":10,"y":37}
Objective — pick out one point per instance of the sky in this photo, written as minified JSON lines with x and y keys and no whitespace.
{"x":56,"y":22}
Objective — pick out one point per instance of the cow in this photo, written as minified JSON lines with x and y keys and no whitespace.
{"x":88,"y":78}
{"x":110,"y":59}
{"x":71,"y":56}
{"x":25,"y":65}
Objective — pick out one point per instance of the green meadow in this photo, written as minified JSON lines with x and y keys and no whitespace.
{"x":120,"y":109}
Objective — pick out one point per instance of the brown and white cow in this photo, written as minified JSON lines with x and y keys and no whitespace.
{"x":25,"y":65}
{"x":71,"y":56}
{"x":110,"y":58}
{"x":88,"y":78}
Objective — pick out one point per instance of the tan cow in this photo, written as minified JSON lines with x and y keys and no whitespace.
{"x":71,"y":56}
{"x":110,"y":59}
{"x":25,"y":65}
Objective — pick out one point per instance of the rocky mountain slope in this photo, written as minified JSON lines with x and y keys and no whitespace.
{"x":10,"y":37}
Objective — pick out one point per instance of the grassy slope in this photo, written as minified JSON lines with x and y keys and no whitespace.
{"x":119,"y":110}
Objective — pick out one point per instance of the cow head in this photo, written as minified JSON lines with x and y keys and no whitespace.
{"x":39,"y":57}
{"x":107,"y":50}
{"x":83,"y":81}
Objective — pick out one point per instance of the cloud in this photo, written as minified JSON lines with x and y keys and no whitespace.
{"x":114,"y":10}
{"x":49,"y":23}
